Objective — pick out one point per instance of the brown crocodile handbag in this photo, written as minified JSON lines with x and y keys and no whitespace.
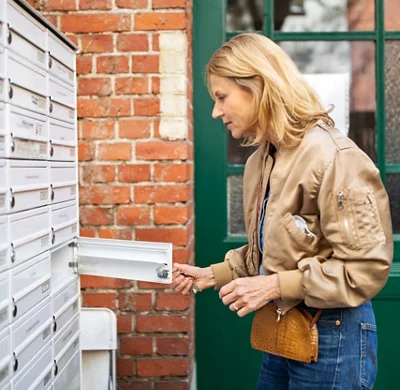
{"x":293,"y":335}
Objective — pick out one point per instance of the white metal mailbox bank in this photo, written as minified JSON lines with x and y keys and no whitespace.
{"x":41,"y":254}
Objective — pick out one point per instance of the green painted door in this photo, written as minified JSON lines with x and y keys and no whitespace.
{"x":324,"y":37}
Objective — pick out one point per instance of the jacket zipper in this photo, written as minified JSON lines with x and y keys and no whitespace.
{"x":343,"y":212}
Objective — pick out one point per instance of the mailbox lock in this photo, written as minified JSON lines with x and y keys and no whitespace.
{"x":10,"y":90}
{"x":162,"y":272}
{"x":15,"y":367}
{"x":55,"y":368}
{"x":9,"y":37}
{"x":50,"y":62}
{"x":52,"y":193}
{"x":12,"y":146}
{"x":54,"y":325}
{"x":51,"y":149}
{"x":12,"y":254}
{"x":53,"y":235}
{"x":15,"y":309}
{"x":50,"y":105}
{"x":12,"y":203}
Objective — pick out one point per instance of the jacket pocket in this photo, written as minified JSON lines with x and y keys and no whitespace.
{"x":358,"y":217}
{"x":368,"y":358}
{"x":301,"y":237}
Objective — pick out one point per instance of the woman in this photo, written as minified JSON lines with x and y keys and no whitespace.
{"x":316,"y":214}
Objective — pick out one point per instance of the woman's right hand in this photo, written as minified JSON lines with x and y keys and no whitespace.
{"x":183,"y":276}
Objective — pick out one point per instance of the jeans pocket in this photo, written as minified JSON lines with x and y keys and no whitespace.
{"x":369,"y":358}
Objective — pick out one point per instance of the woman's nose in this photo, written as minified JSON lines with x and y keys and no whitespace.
{"x":216,"y":112}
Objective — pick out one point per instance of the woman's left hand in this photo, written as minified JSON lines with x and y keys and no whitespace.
{"x":245,"y":295}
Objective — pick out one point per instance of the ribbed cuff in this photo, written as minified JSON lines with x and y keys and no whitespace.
{"x":223,"y":274}
{"x":291,"y":284}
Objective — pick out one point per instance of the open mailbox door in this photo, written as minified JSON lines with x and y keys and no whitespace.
{"x":133,"y":260}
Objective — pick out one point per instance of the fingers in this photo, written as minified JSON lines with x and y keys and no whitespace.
{"x":227,"y":289}
{"x":185,"y":286}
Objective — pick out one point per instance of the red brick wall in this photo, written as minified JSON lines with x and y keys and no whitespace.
{"x":133,"y":184}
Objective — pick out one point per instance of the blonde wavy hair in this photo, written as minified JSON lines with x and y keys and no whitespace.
{"x":284,"y":106}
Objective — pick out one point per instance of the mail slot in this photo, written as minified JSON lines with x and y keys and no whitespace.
{"x":60,"y":270}
{"x":26,"y":75}
{"x":25,"y":98}
{"x":22,"y":23}
{"x":3,"y":186}
{"x":38,"y":364}
{"x":64,"y":221}
{"x":3,"y":86}
{"x":60,"y":70}
{"x":61,"y":92}
{"x":2,"y":62}
{"x":70,"y":377}
{"x":63,"y":140}
{"x":4,"y":300}
{"x":29,"y":184}
{"x":61,"y":51}
{"x":25,"y":133}
{"x":62,"y":360}
{"x":29,"y":234}
{"x":30,"y":284}
{"x":61,"y":112}
{"x":63,"y":181}
{"x":20,"y":45}
{"x":5,"y":356}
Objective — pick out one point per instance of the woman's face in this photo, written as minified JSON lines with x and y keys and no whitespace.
{"x":232,"y":105}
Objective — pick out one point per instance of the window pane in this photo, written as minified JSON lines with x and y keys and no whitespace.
{"x":244,"y":15}
{"x":392,"y":15}
{"x":392,"y":87}
{"x":356,"y":60}
{"x":324,"y":15}
{"x":235,"y":205}
{"x":393,"y":188}
{"x":238,"y":154}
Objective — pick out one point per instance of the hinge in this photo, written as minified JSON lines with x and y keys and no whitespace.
{"x":74,"y":265}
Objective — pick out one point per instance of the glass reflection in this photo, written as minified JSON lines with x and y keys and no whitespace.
{"x":235,"y":205}
{"x":244,"y":15}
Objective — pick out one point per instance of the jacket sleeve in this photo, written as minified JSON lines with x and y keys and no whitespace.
{"x":233,"y":267}
{"x":355,"y":221}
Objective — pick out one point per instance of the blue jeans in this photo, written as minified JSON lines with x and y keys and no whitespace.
{"x":347,"y":355}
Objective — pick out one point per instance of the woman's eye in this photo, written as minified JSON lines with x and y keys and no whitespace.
{"x":221,"y":98}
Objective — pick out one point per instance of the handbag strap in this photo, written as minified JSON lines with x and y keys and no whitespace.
{"x":315,"y":319}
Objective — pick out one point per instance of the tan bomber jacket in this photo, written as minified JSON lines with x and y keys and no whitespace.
{"x":337,"y":190}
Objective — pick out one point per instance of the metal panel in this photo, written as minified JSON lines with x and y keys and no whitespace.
{"x":61,"y":51}
{"x":63,"y":181}
{"x":4,"y":243}
{"x":63,"y":141}
{"x":25,"y":99}
{"x":148,"y":261}
{"x":25,"y":25}
{"x":62,"y":360}
{"x":61,"y":112}
{"x":4,"y":300}
{"x":64,"y":222}
{"x":29,"y":234}
{"x":70,"y":377}
{"x":61,"y":92}
{"x":60,"y":70}
{"x":63,"y":339}
{"x":30,"y":283}
{"x":5,"y":357}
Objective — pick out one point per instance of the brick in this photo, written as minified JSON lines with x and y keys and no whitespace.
{"x":131,"y":85}
{"x":161,"y":150}
{"x":116,"y":234}
{"x":136,"y":346}
{"x":98,"y":173}
{"x":184,"y":385}
{"x":112,"y":64}
{"x":86,"y":232}
{"x":97,"y":43}
{"x":176,"y":236}
{"x":156,"y":42}
{"x":83,"y":64}
{"x":159,"y":21}
{"x":134,"y":385}
{"x":171,"y":172}
{"x":135,"y":128}
{"x":145,"y":63}
{"x":163,"y":324}
{"x":131,"y":4}
{"x":99,"y":299}
{"x":133,"y":215}
{"x":34,"y":3}
{"x":132,"y":42}
{"x":146,"y":106}
{"x":168,"y":301}
{"x":104,"y":107}
{"x":124,"y":324}
{"x":85,"y":151}
{"x":115,"y":152}
{"x":90,"y":281}
{"x":88,"y":23}
{"x":169,"y":215}
{"x":172,"y":346}
{"x":161,"y":194}
{"x":95,"y":4}
{"x":97,"y":129}
{"x":157,"y":4}
{"x":104,"y":195}
{"x":52,"y":19}
{"x":96,"y":216}
{"x":181,"y":255}
{"x":162,"y":367}
{"x":134,"y":173}
{"x":135,"y":302}
{"x":155,"y":85}
{"x":99,"y":86}
{"x":60,"y":5}
{"x":151,"y":286}
{"x":125,"y":367}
